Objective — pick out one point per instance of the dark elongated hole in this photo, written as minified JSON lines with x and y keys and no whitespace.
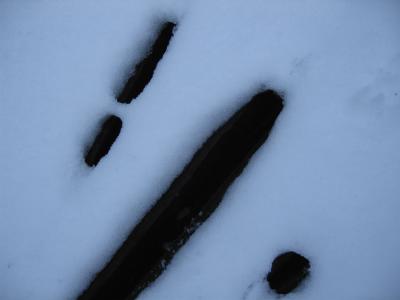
{"x":104,"y":140}
{"x":144,"y":70}
{"x":190,"y":199}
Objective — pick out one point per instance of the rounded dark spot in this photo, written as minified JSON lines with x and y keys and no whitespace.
{"x":287,"y":272}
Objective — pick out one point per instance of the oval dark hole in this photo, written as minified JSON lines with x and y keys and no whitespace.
{"x":105,"y":138}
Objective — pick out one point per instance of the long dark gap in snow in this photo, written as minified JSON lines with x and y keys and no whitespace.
{"x":144,"y":70}
{"x":104,"y":140}
{"x":190,"y":199}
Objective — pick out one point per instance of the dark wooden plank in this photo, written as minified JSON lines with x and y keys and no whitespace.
{"x":144,"y":70}
{"x":190,"y":199}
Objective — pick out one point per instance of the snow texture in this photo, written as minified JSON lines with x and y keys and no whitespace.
{"x":326,"y":184}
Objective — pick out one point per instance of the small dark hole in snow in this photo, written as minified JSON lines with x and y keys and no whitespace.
{"x":105,"y":138}
{"x":287,"y":272}
{"x":188,"y":202}
{"x":144,"y":69}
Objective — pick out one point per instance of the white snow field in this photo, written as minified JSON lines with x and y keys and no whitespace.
{"x":325,"y":184}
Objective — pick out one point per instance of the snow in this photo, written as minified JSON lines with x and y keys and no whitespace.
{"x":325,"y":184}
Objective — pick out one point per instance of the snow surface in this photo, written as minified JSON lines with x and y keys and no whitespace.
{"x":326,"y":184}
